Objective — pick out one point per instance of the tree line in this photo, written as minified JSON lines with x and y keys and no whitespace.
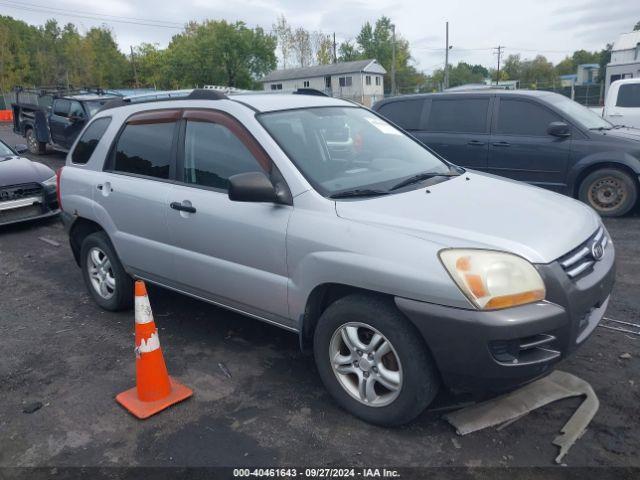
{"x":231,"y":53}
{"x":209,"y":52}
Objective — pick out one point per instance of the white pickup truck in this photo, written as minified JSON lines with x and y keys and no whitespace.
{"x":622,"y":105}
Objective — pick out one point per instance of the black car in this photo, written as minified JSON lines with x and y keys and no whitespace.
{"x":538,"y":137}
{"x":27,"y":189}
{"x":54,"y":117}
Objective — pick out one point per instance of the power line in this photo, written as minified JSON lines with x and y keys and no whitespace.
{"x":32,"y":7}
{"x":85,"y":12}
{"x":91,"y":17}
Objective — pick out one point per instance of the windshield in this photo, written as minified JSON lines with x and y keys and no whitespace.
{"x":94,"y":105}
{"x":577,"y":112}
{"x":346,"y":148}
{"x":5,"y":151}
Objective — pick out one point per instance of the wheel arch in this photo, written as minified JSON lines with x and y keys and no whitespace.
{"x":581,"y":170}
{"x":324,"y":295}
{"x":318,"y":300}
{"x":81,"y":229}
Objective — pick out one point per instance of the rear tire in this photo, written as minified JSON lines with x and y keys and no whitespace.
{"x":403,"y":381}
{"x":35,"y":147}
{"x":609,"y":191}
{"x":107,"y":282}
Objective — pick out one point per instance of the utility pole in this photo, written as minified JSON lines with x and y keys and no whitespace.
{"x":446,"y":59}
{"x":135,"y":72}
{"x":498,"y":52}
{"x":393,"y":59}
{"x":335,"y":57}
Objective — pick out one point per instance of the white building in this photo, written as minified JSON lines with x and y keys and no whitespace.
{"x":625,"y":58}
{"x":361,"y":80}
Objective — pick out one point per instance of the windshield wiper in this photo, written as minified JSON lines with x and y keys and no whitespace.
{"x":419,"y":177}
{"x":359,"y":192}
{"x":600,"y":129}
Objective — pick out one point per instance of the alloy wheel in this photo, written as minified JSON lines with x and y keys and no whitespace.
{"x":32,"y":142}
{"x":101,"y":273}
{"x":366,"y":364}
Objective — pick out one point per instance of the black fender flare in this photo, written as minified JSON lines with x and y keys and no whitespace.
{"x":611,"y":159}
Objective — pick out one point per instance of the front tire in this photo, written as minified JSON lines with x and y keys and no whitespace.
{"x":35,"y":147}
{"x":107,"y":282}
{"x":373,"y":361}
{"x":609,"y":191}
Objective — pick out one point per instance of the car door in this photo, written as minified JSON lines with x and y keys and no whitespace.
{"x":232,"y":253}
{"x":59,"y":119}
{"x":522,"y":149}
{"x":131,"y":194}
{"x":74,"y":124}
{"x":626,"y":106}
{"x":457,"y":127}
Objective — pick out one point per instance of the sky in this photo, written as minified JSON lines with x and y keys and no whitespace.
{"x":554,"y":28}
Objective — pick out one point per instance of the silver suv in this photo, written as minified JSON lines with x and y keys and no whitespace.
{"x":404,"y":272}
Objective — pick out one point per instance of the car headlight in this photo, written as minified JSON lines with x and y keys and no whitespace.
{"x":493,"y":280}
{"x":50,"y":182}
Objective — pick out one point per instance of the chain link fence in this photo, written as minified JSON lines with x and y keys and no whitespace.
{"x":591,"y":95}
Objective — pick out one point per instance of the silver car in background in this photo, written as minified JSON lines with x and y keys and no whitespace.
{"x":403,"y":272}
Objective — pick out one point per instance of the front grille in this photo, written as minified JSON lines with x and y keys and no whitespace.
{"x":18,"y":192}
{"x":581,"y":259}
{"x":525,"y":351}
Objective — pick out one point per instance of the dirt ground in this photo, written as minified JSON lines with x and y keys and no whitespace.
{"x":58,"y":348}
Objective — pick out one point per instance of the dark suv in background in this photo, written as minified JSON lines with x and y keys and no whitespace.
{"x":537,"y":137}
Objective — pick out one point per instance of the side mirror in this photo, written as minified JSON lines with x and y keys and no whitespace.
{"x":21,"y":148}
{"x":559,"y":129}
{"x":252,"y":187}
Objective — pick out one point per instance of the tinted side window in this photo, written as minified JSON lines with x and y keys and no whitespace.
{"x":518,"y":117}
{"x":406,"y":113}
{"x":89,"y":140}
{"x":76,"y":110}
{"x":212,"y":153}
{"x":464,"y":115}
{"x":629,"y":96}
{"x":145,"y":149}
{"x":61,"y":107}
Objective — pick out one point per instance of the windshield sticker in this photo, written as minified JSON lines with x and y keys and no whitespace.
{"x":383,"y":126}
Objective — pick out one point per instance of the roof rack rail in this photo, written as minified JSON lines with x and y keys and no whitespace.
{"x":195,"y":94}
{"x":310,"y":91}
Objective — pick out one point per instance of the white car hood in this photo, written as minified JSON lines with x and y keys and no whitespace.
{"x":484,"y":211}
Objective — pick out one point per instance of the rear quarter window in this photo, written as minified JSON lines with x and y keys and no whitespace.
{"x":89,"y":141}
{"x":405,"y":113}
{"x":459,"y":115}
{"x":145,"y":149}
{"x":629,"y":96}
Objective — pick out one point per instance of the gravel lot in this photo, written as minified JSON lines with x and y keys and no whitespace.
{"x":60,"y":349}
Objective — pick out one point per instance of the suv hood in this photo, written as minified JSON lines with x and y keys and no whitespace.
{"x":483,"y":212}
{"x":18,"y":170}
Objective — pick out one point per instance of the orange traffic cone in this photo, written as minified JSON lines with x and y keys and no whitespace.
{"x":155,"y":390}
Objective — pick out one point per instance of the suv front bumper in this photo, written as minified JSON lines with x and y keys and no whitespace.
{"x":488,"y":351}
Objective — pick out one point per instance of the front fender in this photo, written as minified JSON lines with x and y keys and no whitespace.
{"x":337,"y":251}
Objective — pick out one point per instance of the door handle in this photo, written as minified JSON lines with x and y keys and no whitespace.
{"x":501,"y":144}
{"x":99,"y":187}
{"x":476,"y":143}
{"x":182,"y":208}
